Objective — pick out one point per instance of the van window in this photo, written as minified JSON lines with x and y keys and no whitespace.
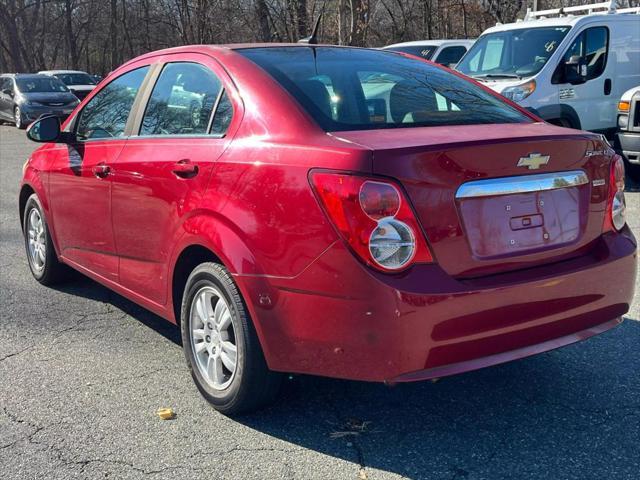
{"x":592,"y":45}
{"x":355,"y":89}
{"x":514,"y":53}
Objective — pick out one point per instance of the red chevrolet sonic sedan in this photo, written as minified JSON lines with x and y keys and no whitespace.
{"x":328,"y":210}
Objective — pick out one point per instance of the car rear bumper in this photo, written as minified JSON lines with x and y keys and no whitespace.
{"x":340,"y":319}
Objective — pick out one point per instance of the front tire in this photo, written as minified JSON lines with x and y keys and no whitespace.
{"x":43,"y":261}
{"x":221,"y":345}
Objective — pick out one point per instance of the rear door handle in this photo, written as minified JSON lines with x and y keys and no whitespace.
{"x":185,"y":169}
{"x":101,"y":170}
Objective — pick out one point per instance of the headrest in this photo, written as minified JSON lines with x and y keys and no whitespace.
{"x":410,"y":96}
{"x":316,"y":91}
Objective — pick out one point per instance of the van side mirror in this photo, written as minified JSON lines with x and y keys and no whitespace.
{"x":45,"y":129}
{"x":8,"y":91}
{"x":575,"y":70}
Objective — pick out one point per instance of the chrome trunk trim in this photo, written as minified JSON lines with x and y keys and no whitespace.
{"x":521,"y":184}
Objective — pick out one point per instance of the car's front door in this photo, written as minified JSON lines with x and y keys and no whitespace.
{"x":164,"y":169}
{"x":80,"y":177}
{"x":591,"y":99}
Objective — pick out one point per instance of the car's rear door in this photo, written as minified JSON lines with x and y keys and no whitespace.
{"x":80,"y":176}
{"x":162,"y":172}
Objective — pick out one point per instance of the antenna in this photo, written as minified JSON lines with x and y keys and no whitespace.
{"x":313,"y":38}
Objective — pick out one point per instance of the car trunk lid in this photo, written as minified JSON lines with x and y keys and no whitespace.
{"x":494,"y":198}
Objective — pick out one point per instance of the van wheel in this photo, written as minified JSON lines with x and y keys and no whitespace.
{"x":632,"y":170}
{"x":43,"y":261}
{"x":221,"y":345}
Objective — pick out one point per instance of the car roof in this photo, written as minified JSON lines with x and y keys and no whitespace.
{"x":23,"y":75}
{"x":435,"y":43}
{"x":56,"y":72}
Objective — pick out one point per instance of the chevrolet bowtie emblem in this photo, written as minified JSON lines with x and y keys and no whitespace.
{"x":533,"y":161}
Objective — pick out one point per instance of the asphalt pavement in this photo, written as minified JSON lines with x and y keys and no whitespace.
{"x":83,"y":371}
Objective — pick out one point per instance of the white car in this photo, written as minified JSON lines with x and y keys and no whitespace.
{"x":80,"y":83}
{"x":571,"y":70}
{"x":444,"y":52}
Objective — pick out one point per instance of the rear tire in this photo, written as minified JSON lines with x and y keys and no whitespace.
{"x":221,"y":345}
{"x":17,"y":118}
{"x":43,"y":261}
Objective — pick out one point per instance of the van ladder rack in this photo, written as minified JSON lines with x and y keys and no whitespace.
{"x":593,"y":8}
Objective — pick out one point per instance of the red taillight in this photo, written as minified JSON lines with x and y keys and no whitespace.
{"x":615,"y":215}
{"x":375,"y":219}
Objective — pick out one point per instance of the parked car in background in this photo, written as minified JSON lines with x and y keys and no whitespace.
{"x":628,"y":137}
{"x":444,"y":52}
{"x":571,"y":70}
{"x":96,"y":78}
{"x":335,"y":211}
{"x":24,"y":97}
{"x":80,"y":83}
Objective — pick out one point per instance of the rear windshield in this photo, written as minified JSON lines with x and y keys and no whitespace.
{"x":75,"y":79}
{"x":357,"y":89}
{"x":424,"y":51}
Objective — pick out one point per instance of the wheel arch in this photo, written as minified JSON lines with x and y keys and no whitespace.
{"x":559,"y":111}
{"x":25,"y":192}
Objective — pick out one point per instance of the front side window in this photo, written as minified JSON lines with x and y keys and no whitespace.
{"x":515,"y":53}
{"x":182,"y":101}
{"x":451,"y":55}
{"x":106,"y":114}
{"x":354,"y":89}
{"x":591,"y":45}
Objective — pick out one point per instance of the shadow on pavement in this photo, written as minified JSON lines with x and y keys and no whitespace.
{"x":573,"y":412}
{"x":82,"y":286}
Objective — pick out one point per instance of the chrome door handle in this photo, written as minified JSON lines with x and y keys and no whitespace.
{"x":185,"y":169}
{"x":101,"y":170}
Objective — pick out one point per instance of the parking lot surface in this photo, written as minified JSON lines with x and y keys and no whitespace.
{"x":83,"y":371}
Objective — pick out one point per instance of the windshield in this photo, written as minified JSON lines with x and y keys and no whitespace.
{"x":512,"y":53}
{"x":424,"y":51}
{"x":356,"y":89}
{"x":75,"y":79}
{"x":40,"y":85}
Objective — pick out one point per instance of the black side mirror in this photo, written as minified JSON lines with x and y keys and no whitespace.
{"x":45,"y":129}
{"x":8,"y":91}
{"x":575,"y":70}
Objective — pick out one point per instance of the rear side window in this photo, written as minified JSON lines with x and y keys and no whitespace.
{"x":106,"y":114}
{"x":451,"y":55}
{"x":183,"y":100}
{"x":354,"y":89}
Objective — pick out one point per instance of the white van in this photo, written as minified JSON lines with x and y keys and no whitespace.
{"x":571,"y":70}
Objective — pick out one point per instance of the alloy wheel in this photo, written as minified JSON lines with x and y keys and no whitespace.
{"x":213,"y":338}
{"x":18,"y":117}
{"x":37,"y":240}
